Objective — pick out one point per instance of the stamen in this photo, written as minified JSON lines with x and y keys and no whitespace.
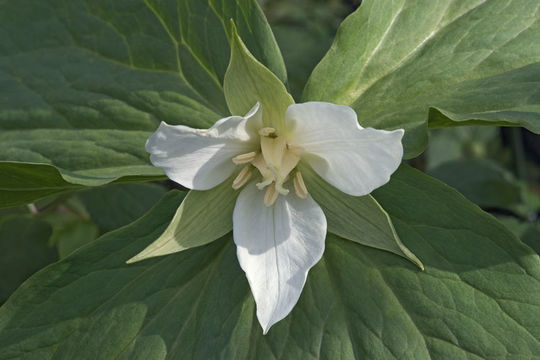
{"x":295,"y":149}
{"x":268,"y":132}
{"x":299,"y":186}
{"x":270,"y":196}
{"x":243,"y":176}
{"x":244,"y":158}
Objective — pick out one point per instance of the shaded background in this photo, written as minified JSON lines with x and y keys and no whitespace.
{"x":496,"y":168}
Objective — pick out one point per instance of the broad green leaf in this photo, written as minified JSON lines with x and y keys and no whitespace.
{"x":83,"y":84}
{"x":24,"y":250}
{"x":113,"y":206}
{"x":482,"y":181}
{"x":203,"y":216}
{"x":22,"y":183}
{"x":357,"y":218}
{"x":477,"y":298}
{"x":509,"y":99}
{"x":394,"y":60}
{"x":247,"y":82}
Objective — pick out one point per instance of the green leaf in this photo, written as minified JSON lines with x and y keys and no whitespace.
{"x":482,"y":181}
{"x":203,"y":217}
{"x":357,"y":218}
{"x":509,"y":99}
{"x":116,"y":205}
{"x":247,"y":82}
{"x":477,"y":298}
{"x":83,"y":84}
{"x":22,"y":183}
{"x":394,"y":60}
{"x":24,"y":250}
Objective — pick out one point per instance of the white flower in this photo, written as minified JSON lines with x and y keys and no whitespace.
{"x":279,"y":230}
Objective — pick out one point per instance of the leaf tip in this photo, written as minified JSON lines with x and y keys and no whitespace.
{"x":232,"y":25}
{"x":143,"y":255}
{"x":235,"y":40}
{"x":134,"y":259}
{"x":412,"y":258}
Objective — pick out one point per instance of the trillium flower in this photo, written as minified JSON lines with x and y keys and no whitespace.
{"x":278,"y":228}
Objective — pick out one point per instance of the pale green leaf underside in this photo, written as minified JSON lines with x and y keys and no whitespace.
{"x":475,"y":300}
{"x":393,"y":60}
{"x":83,"y":84}
{"x":357,"y":218}
{"x":203,"y":216}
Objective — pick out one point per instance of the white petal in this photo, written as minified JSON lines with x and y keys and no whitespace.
{"x":276,"y":247}
{"x":353,"y":159}
{"x":202,"y":159}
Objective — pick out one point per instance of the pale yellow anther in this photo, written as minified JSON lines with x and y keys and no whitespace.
{"x":267,"y":131}
{"x":295,"y":149}
{"x":270,"y":196}
{"x":242,"y":178}
{"x":244,"y":158}
{"x":299,"y":186}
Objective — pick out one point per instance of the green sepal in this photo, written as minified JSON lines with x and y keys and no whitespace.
{"x":357,"y":218}
{"x":202,"y":217}
{"x":247,"y":82}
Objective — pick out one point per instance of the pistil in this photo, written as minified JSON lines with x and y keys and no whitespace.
{"x":275,"y":160}
{"x":276,"y":163}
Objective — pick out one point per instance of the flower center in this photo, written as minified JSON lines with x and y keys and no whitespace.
{"x":275,"y":161}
